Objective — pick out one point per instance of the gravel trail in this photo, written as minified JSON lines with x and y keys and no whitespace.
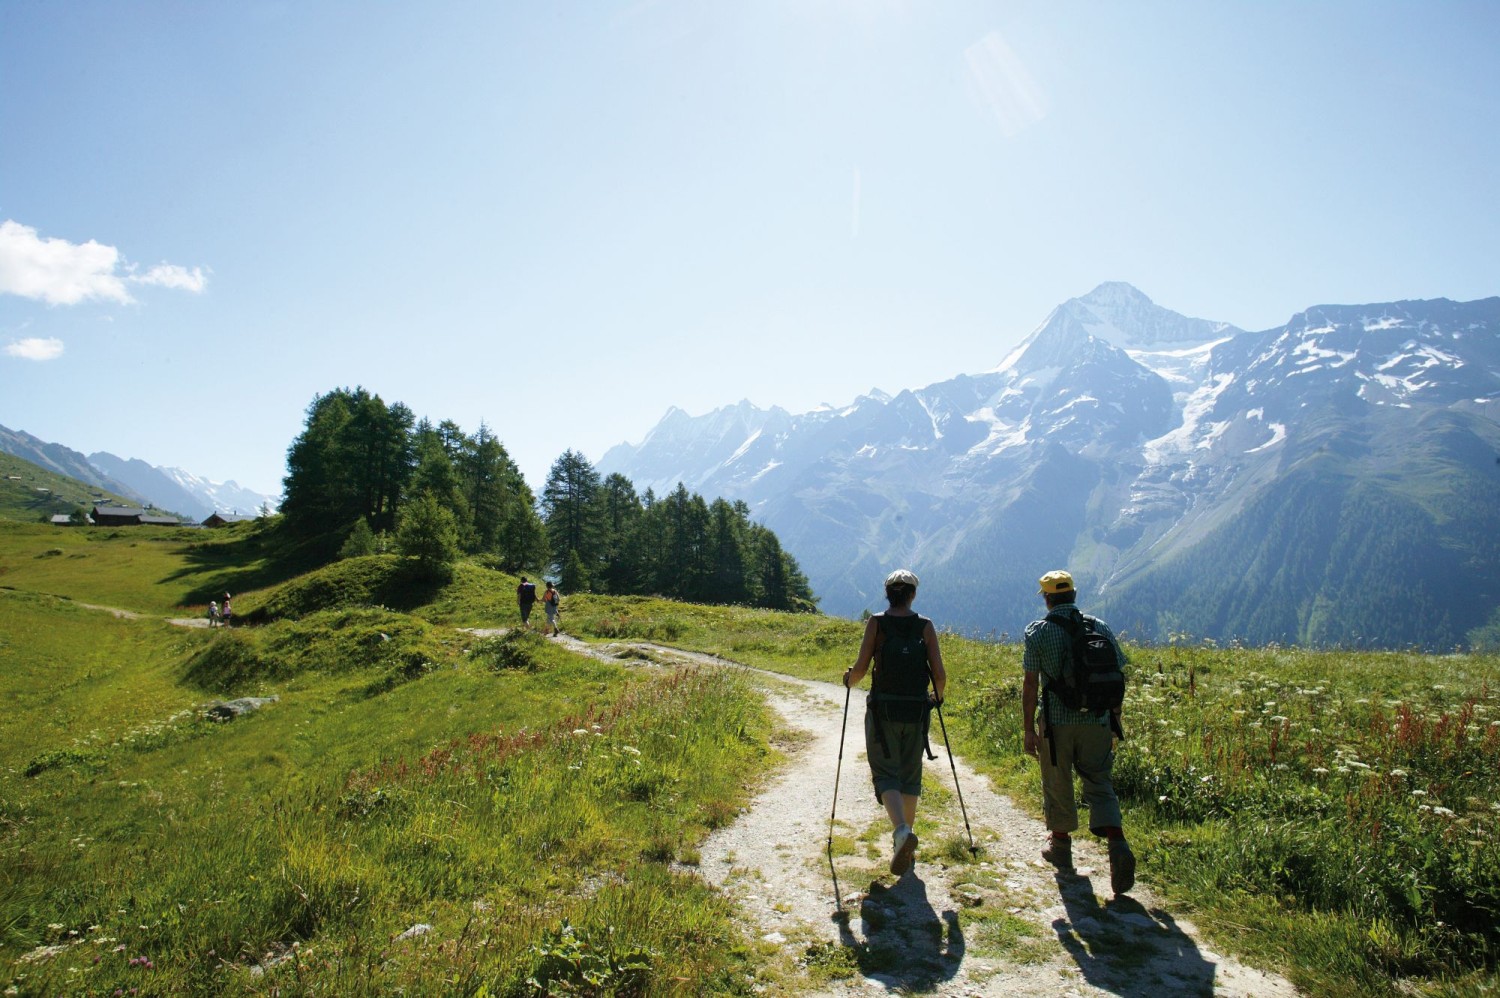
{"x":1027,"y":930}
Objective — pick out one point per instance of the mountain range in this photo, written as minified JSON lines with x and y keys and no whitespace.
{"x":163,"y":488}
{"x":1332,"y":481}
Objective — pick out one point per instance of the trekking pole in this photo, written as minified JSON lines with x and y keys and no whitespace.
{"x":951,"y":765}
{"x":837,"y":769}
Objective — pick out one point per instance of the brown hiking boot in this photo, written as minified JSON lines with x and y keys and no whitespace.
{"x":1121,"y":866}
{"x":906,"y":851}
{"x":1059,"y":853}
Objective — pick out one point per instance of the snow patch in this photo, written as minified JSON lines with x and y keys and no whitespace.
{"x":1278,"y":434}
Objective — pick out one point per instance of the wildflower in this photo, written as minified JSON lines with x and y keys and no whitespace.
{"x":579,"y":731}
{"x":1357,"y":764}
{"x":1320,"y":771}
{"x":1279,"y":719}
{"x":632,"y":750}
{"x":1445,"y":812}
{"x":1163,"y":799}
{"x":1398,"y":772}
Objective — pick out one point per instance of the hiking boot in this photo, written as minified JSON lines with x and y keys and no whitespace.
{"x":1121,"y":866}
{"x":905,"y":843}
{"x":1059,"y":853}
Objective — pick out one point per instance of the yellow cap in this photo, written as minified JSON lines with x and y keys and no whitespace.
{"x":1056,"y":582}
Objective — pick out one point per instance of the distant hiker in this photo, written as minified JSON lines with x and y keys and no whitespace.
{"x":1079,"y":739}
{"x":903,"y":647}
{"x":213,"y":613}
{"x":526,"y":598}
{"x":550,"y":600}
{"x":226,"y":613}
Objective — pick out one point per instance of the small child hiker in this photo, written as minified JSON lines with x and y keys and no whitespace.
{"x":213,"y":613}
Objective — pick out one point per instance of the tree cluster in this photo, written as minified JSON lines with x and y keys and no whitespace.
{"x":363,"y":471}
{"x":606,"y":538}
{"x":439,"y":491}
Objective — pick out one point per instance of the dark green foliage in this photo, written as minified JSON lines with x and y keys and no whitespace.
{"x":361,"y":541}
{"x":362,"y":463}
{"x":428,"y":535}
{"x":354,"y":458}
{"x":573,"y":510}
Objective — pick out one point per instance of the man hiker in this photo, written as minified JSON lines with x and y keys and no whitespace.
{"x":1078,"y":741}
{"x":526,"y":598}
{"x":903,"y":647}
{"x":550,"y":602}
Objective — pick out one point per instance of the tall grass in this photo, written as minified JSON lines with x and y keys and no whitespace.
{"x":421,"y":811}
{"x":1334,"y":811}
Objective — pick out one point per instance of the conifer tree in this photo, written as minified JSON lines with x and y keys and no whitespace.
{"x":571,"y":511}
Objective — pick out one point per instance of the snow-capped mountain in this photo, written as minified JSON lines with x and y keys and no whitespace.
{"x":1321,"y":482}
{"x":175,"y":489}
{"x":162,"y":488}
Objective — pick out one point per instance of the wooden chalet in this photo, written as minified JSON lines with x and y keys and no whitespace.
{"x":118,"y":516}
{"x":217,"y":519}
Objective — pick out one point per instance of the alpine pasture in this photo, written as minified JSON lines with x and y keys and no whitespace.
{"x":418,"y":808}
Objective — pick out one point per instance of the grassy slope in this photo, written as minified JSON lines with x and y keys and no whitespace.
{"x":1255,"y":782}
{"x":20,"y":498}
{"x":1232,"y":853}
{"x":409,"y":773}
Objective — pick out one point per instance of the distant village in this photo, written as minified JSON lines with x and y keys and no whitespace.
{"x":134,"y":516}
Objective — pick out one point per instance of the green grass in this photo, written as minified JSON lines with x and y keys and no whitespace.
{"x":1335,"y":815}
{"x":31,"y":493}
{"x":1330,"y":815}
{"x":526,"y":803}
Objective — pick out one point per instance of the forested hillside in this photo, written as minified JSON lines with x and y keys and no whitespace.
{"x":364,"y":475}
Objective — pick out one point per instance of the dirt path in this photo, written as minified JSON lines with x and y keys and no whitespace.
{"x":1027,"y":930}
{"x":849,"y":928}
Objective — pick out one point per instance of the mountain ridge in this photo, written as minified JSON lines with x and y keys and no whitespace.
{"x":1131,"y":444}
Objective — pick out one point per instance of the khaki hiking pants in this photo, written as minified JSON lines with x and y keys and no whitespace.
{"x":1088,"y":751}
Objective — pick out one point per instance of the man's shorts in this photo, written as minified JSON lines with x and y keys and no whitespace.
{"x":901,"y":768}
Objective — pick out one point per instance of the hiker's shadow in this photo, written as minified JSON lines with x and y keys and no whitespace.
{"x":1126,"y":948}
{"x":906,"y":945}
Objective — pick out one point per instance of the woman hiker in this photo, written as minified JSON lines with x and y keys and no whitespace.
{"x":550,"y":602}
{"x":903,"y":647}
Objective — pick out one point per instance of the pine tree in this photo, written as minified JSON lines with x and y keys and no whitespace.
{"x":571,"y":511}
{"x":427,"y":533}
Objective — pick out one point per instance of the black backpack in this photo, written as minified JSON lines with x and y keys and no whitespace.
{"x":901,"y":673}
{"x":1092,"y":680}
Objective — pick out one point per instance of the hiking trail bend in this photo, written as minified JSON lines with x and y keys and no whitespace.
{"x":1027,"y":930}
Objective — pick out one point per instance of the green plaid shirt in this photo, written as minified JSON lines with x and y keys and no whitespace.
{"x":1048,"y":646}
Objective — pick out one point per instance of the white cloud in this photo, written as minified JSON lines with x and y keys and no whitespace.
{"x":1003,"y":86}
{"x":62,"y":273}
{"x":169,"y":275}
{"x":35,"y":348}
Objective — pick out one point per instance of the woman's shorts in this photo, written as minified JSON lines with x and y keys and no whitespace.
{"x":901,"y":767}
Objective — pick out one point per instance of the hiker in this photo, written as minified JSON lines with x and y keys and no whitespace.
{"x":213,"y":613}
{"x":525,"y":598}
{"x":225,"y":613}
{"x":1078,"y":741}
{"x":550,"y":601}
{"x":903,"y":647}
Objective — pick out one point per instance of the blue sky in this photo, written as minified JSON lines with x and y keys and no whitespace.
{"x":563,"y":218}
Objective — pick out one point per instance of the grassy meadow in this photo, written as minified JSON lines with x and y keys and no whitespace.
{"x":427,"y":811}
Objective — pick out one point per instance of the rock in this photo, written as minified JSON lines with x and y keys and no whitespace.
{"x":230,"y":709}
{"x":773,"y":937}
